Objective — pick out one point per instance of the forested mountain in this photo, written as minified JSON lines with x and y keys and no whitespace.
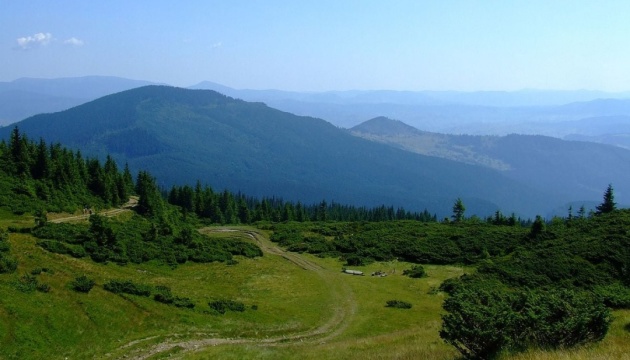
{"x":25,"y":97}
{"x":577,"y":170}
{"x":183,"y":135}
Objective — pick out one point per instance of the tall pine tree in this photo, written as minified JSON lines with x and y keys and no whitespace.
{"x":609,"y":202}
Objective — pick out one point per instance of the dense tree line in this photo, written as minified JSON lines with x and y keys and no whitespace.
{"x":229,"y":208}
{"x":58,"y":179}
{"x":359,"y":243}
{"x":37,"y":175}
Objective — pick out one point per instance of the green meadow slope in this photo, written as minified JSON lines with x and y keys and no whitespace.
{"x":296,"y":306}
{"x":291,"y":301}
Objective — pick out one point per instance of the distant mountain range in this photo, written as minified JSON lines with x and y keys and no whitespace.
{"x":586,"y":115}
{"x":552,"y":113}
{"x":501,"y":99}
{"x":182,"y":135}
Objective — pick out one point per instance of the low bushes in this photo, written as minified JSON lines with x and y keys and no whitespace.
{"x":399,"y":304}
{"x":7,"y":263}
{"x":416,"y":271}
{"x":128,"y":287}
{"x":482,"y":322}
{"x":57,"y":247}
{"x":82,"y":284}
{"x":139,"y":240}
{"x":28,"y":283}
{"x":615,"y":296}
{"x":223,"y":305}
{"x":163,"y":294}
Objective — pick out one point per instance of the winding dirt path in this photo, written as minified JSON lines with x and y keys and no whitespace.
{"x":341,"y":295}
{"x":133,"y":201}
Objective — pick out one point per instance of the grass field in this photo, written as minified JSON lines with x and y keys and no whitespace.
{"x":306,"y":308}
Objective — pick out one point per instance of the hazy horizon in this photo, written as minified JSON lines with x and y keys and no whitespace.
{"x":324,"y":45}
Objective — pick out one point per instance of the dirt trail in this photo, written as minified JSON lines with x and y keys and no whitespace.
{"x":133,"y":201}
{"x":342,"y":298}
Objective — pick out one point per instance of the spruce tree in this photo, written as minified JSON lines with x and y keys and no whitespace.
{"x":458,"y":210}
{"x":609,"y":202}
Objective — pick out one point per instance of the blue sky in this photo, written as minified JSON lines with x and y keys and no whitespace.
{"x":324,"y":45}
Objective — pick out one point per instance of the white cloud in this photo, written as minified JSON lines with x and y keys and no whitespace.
{"x":217,"y":45}
{"x":74,"y":42}
{"x":38,"y":39}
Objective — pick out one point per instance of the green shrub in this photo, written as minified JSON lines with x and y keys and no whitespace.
{"x":82,"y":284}
{"x":615,"y":296}
{"x":564,"y":318}
{"x":416,"y":271}
{"x":482,"y":322}
{"x":399,"y":304}
{"x":223,"y":305}
{"x":7,"y":264}
{"x":127,"y":287}
{"x":53,"y":246}
{"x":358,"y":260}
{"x":164,"y":295}
{"x":26,"y":283}
{"x":20,"y":230}
{"x":183,"y":302}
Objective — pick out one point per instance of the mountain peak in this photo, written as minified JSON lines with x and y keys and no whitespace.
{"x":382,"y":125}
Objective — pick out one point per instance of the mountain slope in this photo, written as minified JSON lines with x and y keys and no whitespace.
{"x":183,"y":135}
{"x":577,"y":170}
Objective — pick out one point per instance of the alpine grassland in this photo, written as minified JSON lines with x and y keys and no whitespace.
{"x":288,"y":309}
{"x":296,"y":306}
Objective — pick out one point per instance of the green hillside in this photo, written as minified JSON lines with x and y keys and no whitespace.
{"x":185,"y":135}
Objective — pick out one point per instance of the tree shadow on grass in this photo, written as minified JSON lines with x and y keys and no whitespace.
{"x":627,"y":327}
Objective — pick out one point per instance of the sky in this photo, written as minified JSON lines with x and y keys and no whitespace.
{"x":324,"y":45}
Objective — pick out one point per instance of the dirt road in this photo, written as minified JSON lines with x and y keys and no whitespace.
{"x":133,"y":201}
{"x":341,"y":295}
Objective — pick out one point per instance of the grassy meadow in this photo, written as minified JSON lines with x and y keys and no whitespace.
{"x":291,"y":312}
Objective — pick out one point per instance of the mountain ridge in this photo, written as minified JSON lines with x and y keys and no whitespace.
{"x":190,"y":135}
{"x":565,"y":167}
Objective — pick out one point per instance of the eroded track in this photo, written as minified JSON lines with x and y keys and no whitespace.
{"x":133,"y":201}
{"x":341,"y":297}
